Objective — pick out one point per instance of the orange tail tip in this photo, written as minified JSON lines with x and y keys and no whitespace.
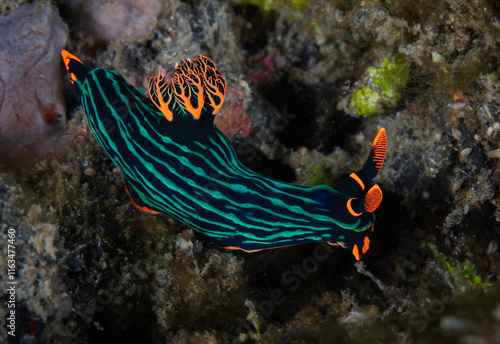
{"x":67,"y":57}
{"x":373,"y":199}
{"x":379,"y":146}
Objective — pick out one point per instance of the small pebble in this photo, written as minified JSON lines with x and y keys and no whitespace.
{"x":89,"y":171}
{"x":494,"y":154}
{"x":360,"y":137}
{"x":465,"y":152}
{"x":456,"y":185}
{"x":457,"y":134}
{"x":437,"y":57}
{"x":492,"y":247}
{"x":456,"y":105}
{"x":302,"y":151}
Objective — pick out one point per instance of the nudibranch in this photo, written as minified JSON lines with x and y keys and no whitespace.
{"x":176,"y":162}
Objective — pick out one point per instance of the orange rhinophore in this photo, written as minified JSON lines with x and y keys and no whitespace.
{"x":367,"y":204}
{"x":373,"y":199}
{"x":379,"y":146}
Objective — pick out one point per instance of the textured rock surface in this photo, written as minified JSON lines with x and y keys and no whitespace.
{"x":39,"y":296}
{"x":32,"y":110}
{"x":432,"y":271}
{"x":122,"y":19}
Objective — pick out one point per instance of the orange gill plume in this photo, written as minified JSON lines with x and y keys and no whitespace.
{"x":213,"y":82}
{"x":185,"y":90}
{"x":159,"y":91}
{"x":195,"y":84}
{"x":188,"y":89}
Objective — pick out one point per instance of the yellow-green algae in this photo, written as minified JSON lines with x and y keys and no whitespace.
{"x":464,"y":271}
{"x":274,"y":5}
{"x":384,"y":87}
{"x":366,"y":100}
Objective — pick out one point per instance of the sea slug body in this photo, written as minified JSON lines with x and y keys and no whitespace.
{"x":176,"y":162}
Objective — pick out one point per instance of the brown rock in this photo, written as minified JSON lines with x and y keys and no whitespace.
{"x":32,"y":108}
{"x":119,"y":20}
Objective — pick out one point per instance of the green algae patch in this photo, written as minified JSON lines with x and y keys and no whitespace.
{"x":318,"y":175}
{"x":295,"y":10}
{"x":366,"y":100}
{"x":391,"y":76}
{"x":384,"y":87}
{"x":464,"y":271}
{"x":273,"y":5}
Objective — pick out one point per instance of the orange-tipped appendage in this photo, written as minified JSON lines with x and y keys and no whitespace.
{"x":67,"y":57}
{"x":366,"y":245}
{"x":373,"y":199}
{"x":364,"y":249}
{"x":379,"y":146}
{"x":355,"y":251}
